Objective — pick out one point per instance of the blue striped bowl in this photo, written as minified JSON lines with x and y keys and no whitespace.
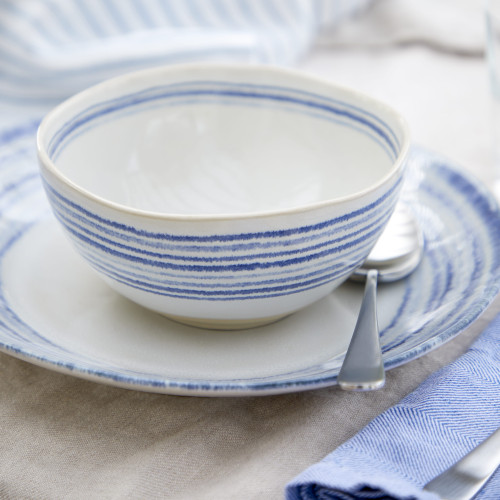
{"x":222,"y":196}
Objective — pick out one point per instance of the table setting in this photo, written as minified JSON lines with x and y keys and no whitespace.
{"x":154,"y":348}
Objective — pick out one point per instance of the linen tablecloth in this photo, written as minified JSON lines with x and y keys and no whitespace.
{"x":63,"y":437}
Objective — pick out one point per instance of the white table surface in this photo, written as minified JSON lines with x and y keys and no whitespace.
{"x":444,"y":97}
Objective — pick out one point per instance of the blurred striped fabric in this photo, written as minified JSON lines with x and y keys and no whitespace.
{"x":50,"y":49}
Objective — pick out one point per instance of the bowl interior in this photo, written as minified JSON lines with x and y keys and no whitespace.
{"x":223,"y":143}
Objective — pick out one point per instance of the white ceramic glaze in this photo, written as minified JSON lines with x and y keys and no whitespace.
{"x":225,"y":196}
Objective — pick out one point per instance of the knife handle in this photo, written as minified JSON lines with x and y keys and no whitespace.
{"x":464,"y":479}
{"x":485,"y":458}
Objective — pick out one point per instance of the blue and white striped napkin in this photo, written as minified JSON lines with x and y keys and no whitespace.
{"x":53,"y":48}
{"x":414,"y":441}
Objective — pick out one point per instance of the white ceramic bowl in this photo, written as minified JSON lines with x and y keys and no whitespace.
{"x":222,"y":196}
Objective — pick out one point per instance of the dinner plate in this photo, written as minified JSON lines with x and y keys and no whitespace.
{"x":55,"y":312}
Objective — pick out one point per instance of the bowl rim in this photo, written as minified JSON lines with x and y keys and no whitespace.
{"x":116,"y":82}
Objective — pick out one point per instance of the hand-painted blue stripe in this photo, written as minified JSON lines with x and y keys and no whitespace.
{"x":436,"y":293}
{"x":454,"y":206}
{"x":219,"y":281}
{"x":155,"y":91}
{"x":17,"y":186}
{"x":159,"y":273}
{"x":440,"y":292}
{"x":238,"y":267}
{"x":174,"y":90}
{"x":189,"y":288}
{"x":442,"y":289}
{"x":163,"y":264}
{"x":482,"y":199}
{"x":17,"y":133}
{"x":311,"y":95}
{"x":227,"y":295}
{"x":412,"y":293}
{"x":374,"y":226}
{"x":12,"y":330}
{"x":68,"y":129}
{"x":476,"y":272}
{"x":85,"y":224}
{"x":451,"y":320}
{"x":399,"y":314}
{"x":156,"y":275}
{"x":218,"y":238}
{"x":11,"y":134}
{"x":226,"y":102}
{"x":14,"y":186}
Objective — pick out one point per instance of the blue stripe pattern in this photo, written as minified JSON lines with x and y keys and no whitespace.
{"x":107,"y":37}
{"x":411,"y":443}
{"x":239,"y":94}
{"x":296,"y":259}
{"x":448,"y":291}
{"x":182,"y":264}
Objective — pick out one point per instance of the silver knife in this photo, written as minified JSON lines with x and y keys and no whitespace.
{"x":464,"y":479}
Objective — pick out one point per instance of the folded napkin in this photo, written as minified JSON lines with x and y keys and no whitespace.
{"x":411,"y":443}
{"x":50,"y":50}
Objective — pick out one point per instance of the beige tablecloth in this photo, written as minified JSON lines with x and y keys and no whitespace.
{"x":66,"y":438}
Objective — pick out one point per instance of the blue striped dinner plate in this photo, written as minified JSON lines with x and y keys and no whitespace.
{"x":55,"y":312}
